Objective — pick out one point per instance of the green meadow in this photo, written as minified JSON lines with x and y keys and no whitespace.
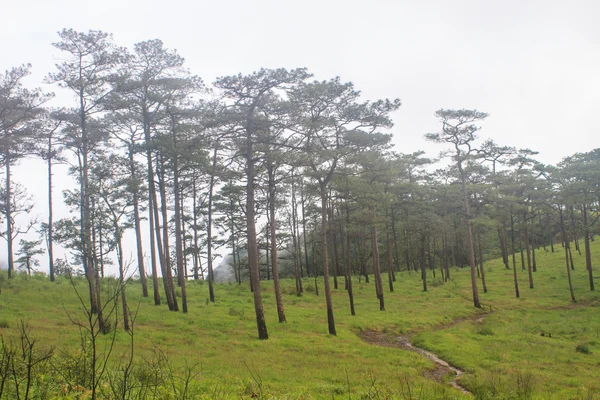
{"x":540,"y":346}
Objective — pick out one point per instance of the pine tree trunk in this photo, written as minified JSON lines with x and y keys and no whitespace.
{"x":155,"y":284}
{"x":471,"y":249}
{"x":50,"y":212}
{"x":274,"y":259}
{"x":328,"y":299}
{"x":514,"y":260}
{"x":533,"y":243}
{"x":390,"y":265}
{"x":480,"y":249}
{"x":8,"y":217}
{"x":422,"y":263}
{"x":137,"y":228}
{"x":181,"y":271}
{"x":586,"y":243}
{"x":347,"y":257}
{"x":167,"y":274}
{"x":211,"y":188}
{"x":529,"y":268}
{"x":251,"y":232}
{"x":566,"y":241}
{"x":376,"y":266}
{"x":302,"y":200}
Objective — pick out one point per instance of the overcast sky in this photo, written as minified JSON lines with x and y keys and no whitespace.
{"x":534,"y":66}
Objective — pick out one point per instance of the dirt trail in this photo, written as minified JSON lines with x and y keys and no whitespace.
{"x":442,"y":367}
{"x":441,"y":364}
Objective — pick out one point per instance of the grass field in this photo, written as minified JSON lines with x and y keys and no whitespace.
{"x":501,"y":348}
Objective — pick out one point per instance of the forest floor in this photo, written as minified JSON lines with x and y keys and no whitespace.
{"x":538,"y":346}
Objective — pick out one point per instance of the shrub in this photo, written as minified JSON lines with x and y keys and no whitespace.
{"x":583,"y":348}
{"x":236,"y":312}
{"x":3,"y":323}
{"x":436,"y":283}
{"x":485,"y":331}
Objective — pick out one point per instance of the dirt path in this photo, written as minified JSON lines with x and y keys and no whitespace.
{"x":442,"y":367}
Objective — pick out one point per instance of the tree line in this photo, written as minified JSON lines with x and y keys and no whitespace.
{"x":293,"y":176}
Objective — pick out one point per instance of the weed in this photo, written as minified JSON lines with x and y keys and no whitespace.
{"x":485,"y":331}
{"x":236,"y":312}
{"x":583,"y":348}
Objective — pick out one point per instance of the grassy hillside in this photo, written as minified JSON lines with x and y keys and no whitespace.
{"x":501,"y":347}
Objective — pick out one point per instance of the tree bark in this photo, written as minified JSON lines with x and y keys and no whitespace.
{"x":471,"y":249}
{"x":566,"y":241}
{"x":138,"y":229}
{"x":390,"y":264}
{"x":586,"y":243}
{"x":328,"y":299}
{"x":155,"y":284}
{"x":274,"y":259}
{"x":181,"y":271}
{"x":50,"y":212}
{"x":376,"y":266}
{"x":251,"y":232}
{"x":211,"y":188}
{"x":166,"y":256}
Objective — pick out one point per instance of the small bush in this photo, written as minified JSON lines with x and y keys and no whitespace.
{"x":525,"y":385}
{"x":236,"y":312}
{"x":485,"y":331}
{"x":3,"y":323}
{"x":437,"y":283}
{"x":583,"y":348}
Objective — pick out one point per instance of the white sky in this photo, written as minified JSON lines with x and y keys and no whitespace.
{"x":534,"y":66}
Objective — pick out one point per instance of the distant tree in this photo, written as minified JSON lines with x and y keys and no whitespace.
{"x":27,"y":253}
{"x":249,"y":95}
{"x":333,"y":125}
{"x":87,"y":71}
{"x":20,"y":111}
{"x":14,"y":204}
{"x":459,"y":130}
{"x":51,"y":153}
{"x":581,"y":189}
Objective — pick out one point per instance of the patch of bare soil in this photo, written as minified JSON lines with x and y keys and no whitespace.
{"x":442,"y":369}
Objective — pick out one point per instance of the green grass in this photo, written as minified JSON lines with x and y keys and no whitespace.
{"x":500,"y":347}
